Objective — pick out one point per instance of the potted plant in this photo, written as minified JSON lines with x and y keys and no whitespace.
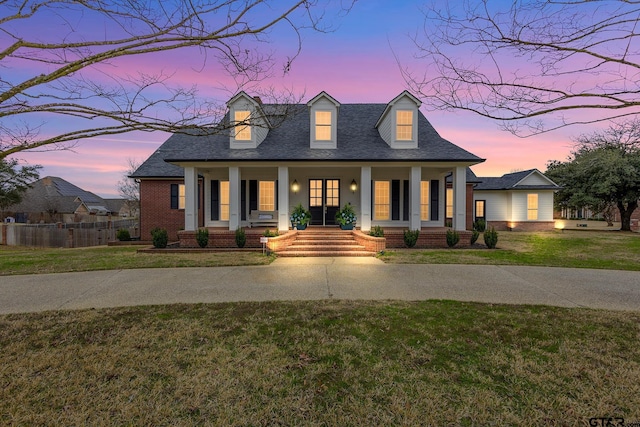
{"x":346,"y":217}
{"x":300,"y":217}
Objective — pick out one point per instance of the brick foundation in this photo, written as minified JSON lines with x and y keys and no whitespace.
{"x":370,"y":243}
{"x":522,"y":226}
{"x":223,"y":238}
{"x":429,"y":238}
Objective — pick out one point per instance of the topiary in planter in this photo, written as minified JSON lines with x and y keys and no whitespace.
{"x":491,"y":238}
{"x":241,"y":238}
{"x":123,"y":235}
{"x":202,"y":237}
{"x":160,"y":238}
{"x":411,"y":237}
{"x":453,"y":237}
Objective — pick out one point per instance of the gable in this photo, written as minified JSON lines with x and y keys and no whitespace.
{"x":535,"y":178}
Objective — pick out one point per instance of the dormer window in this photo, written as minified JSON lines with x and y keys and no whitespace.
{"x":242,"y":129}
{"x":323,"y":125}
{"x":404,"y":125}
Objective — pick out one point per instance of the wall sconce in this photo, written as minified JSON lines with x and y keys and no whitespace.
{"x":295,"y":187}
{"x":354,"y":186}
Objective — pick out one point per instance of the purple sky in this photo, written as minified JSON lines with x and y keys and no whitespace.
{"x":354,"y":64}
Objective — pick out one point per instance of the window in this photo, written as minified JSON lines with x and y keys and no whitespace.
{"x":224,"y":200}
{"x":243,"y":132}
{"x":424,"y":200}
{"x":267,"y":194}
{"x":381,"y":200}
{"x":480,"y":208}
{"x":177,"y":196}
{"x":532,"y":207}
{"x":449,"y":203}
{"x":404,"y":125}
{"x":323,"y":125}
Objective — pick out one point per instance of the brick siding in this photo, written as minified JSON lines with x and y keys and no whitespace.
{"x":521,"y":226}
{"x":429,"y":238}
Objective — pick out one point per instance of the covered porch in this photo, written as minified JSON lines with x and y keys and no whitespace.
{"x":388,"y":194}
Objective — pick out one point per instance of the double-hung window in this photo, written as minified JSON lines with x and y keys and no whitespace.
{"x":267,"y":194}
{"x":177,"y":196}
{"x":224,"y":200}
{"x":242,"y":128}
{"x":323,"y":125}
{"x":532,"y":207}
{"x":381,"y":201}
{"x":424,"y":200}
{"x":404,"y":125}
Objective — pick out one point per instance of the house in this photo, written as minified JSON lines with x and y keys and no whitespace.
{"x":386,"y":160}
{"x":516,"y":201}
{"x":52,"y":199}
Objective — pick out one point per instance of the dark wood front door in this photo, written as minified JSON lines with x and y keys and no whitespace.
{"x":324,"y":201}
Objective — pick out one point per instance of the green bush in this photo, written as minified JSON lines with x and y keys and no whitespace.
{"x":123,"y":235}
{"x":474,"y":236}
{"x":480,"y":225}
{"x":269,"y":233}
{"x":491,"y":238}
{"x":411,"y":237}
{"x":202,"y":237}
{"x":376,"y":231}
{"x":448,"y":222}
{"x":241,"y":237}
{"x":453,"y":237}
{"x":160,"y":237}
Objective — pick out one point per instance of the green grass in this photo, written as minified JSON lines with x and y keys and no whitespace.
{"x":320,"y":363}
{"x":20,"y":260}
{"x":580,"y":249}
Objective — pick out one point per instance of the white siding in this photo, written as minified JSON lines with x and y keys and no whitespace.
{"x":535,"y":179}
{"x":496,"y":206}
{"x":323,"y":104}
{"x":545,"y":206}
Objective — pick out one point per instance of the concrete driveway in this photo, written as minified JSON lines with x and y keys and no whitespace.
{"x":322,"y":278}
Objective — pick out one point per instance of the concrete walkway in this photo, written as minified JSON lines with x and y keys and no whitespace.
{"x":322,"y":278}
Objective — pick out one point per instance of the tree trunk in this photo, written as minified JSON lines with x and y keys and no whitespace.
{"x":625,"y":214}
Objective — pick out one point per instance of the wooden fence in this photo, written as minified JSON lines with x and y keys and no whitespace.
{"x":65,"y":235}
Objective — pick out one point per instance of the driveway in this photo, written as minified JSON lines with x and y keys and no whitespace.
{"x":322,"y":278}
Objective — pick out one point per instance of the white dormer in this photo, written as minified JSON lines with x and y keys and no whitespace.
{"x":323,"y":110}
{"x":398,"y":124}
{"x":249,"y":123}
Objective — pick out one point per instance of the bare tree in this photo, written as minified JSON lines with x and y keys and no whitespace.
{"x":66,"y":73}
{"x":129,"y":188}
{"x":521,"y":62}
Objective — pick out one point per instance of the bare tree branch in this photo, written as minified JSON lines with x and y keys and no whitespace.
{"x":66,"y":72}
{"x":564,"y":62}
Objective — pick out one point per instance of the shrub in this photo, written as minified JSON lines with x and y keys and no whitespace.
{"x":453,"y":237}
{"x":479,"y":225}
{"x":300,"y":215}
{"x":346,"y":215}
{"x":491,"y":238}
{"x":474,"y":236}
{"x":123,"y":235}
{"x":160,"y":237}
{"x":376,"y":231}
{"x":202,"y":237}
{"x":269,"y":233}
{"x":448,"y":222}
{"x":411,"y":237}
{"x":241,"y":237}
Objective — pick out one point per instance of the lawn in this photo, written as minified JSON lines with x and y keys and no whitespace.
{"x":320,"y":363}
{"x":580,"y":249}
{"x":21,"y":260}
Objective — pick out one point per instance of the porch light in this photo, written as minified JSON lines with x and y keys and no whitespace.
{"x":295,"y":186}
{"x":354,"y":186}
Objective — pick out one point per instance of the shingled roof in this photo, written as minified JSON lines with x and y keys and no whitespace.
{"x":511,"y":181}
{"x":357,"y":140}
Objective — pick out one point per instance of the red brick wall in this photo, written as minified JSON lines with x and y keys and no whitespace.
{"x":155,"y":208}
{"x":371,"y":244}
{"x":219,"y":238}
{"x":521,"y":226}
{"x":428,"y":238}
{"x":469,"y":221}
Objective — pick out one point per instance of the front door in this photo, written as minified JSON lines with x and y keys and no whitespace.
{"x":324,"y":201}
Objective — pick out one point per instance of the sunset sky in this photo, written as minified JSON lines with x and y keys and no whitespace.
{"x":354,"y":64}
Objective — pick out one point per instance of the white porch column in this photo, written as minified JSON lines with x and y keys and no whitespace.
{"x":234,"y":197}
{"x":283,"y":198}
{"x":365,"y":198}
{"x":415,"y":187}
{"x":460,"y":198}
{"x":190,"y":199}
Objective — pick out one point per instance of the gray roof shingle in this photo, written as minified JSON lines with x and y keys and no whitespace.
{"x":358,"y":140}
{"x":509,"y":181}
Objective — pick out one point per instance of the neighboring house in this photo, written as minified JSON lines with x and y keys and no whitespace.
{"x":516,"y":201}
{"x":384,"y":159}
{"x":52,"y":199}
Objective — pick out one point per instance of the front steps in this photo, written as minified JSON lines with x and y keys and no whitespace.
{"x":326,"y":242}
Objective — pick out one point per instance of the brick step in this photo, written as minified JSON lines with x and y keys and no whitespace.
{"x":319,"y":242}
{"x":327,"y":247}
{"x":324,"y":237}
{"x":325,"y":253}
